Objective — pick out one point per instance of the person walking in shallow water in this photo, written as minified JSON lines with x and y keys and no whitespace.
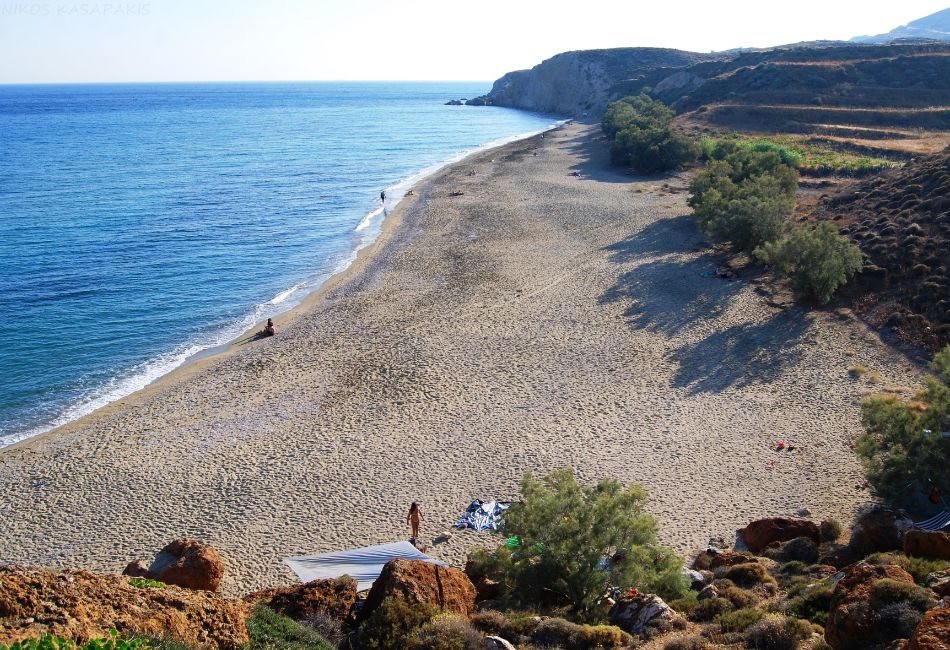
{"x":414,"y":518}
{"x":382,"y":196}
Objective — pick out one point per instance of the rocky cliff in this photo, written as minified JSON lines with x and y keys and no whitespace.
{"x":574,"y":83}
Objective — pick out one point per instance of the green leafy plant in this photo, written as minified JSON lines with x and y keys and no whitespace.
{"x":576,"y":541}
{"x":144,"y":583}
{"x":815,"y":258}
{"x":906,"y":443}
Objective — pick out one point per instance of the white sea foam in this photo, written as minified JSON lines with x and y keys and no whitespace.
{"x":141,"y":375}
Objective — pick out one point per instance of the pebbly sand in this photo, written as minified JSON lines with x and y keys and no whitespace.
{"x":539,"y":320}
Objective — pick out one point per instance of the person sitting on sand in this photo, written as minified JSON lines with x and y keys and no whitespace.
{"x":269,"y":329}
{"x":414,"y":518}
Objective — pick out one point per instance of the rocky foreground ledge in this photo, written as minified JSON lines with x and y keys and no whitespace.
{"x":862,"y":585}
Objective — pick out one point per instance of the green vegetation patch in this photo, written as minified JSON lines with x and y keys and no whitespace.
{"x":271,"y":631}
{"x":49,"y":642}
{"x":906,"y":443}
{"x":578,"y":541}
{"x":807,"y":157}
{"x":643,"y":138}
{"x":145,"y":583}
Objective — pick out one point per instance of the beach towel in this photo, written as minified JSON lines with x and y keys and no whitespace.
{"x":362,"y":564}
{"x":482,"y":515}
{"x":937,"y":522}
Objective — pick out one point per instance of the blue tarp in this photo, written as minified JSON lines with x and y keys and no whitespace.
{"x":482,"y":515}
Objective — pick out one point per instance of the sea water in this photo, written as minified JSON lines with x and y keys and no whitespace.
{"x":141,"y":224}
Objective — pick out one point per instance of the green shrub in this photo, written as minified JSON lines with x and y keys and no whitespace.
{"x":812,"y":604}
{"x":687,"y":643}
{"x":271,"y":631}
{"x":739,"y":597}
{"x":394,"y":623}
{"x":749,"y":574}
{"x":739,"y":620}
{"x":777,"y":632}
{"x":815,"y":258}
{"x":710,"y":608}
{"x":599,"y":636}
{"x":829,"y":530}
{"x":567,"y":529}
{"x":794,"y":567}
{"x":447,"y":632}
{"x":744,"y":198}
{"x":897,"y":620}
{"x":887,"y":591}
{"x":643,"y":137}
{"x":801,"y":549}
{"x":571,"y":636}
{"x":685,"y":604}
{"x":652,"y":150}
{"x":903,"y":449}
{"x":554,"y":631}
{"x":641,"y":112}
{"x":49,"y":642}
{"x":918,"y":567}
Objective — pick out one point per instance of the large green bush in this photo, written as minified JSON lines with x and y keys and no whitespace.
{"x":906,"y":444}
{"x":652,"y":150}
{"x":639,"y":111}
{"x":744,"y":197}
{"x":644,"y":138}
{"x":815,"y":258}
{"x":576,"y":541}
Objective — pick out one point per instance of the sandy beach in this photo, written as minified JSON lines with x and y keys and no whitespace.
{"x":535,"y":321}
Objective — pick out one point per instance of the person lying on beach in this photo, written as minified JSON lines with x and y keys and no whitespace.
{"x":269,"y":329}
{"x":414,"y":518}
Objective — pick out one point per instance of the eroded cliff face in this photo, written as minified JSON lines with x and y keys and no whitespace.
{"x":574,"y":83}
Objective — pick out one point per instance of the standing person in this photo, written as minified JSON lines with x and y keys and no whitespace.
{"x":413,"y":519}
{"x":382,"y":196}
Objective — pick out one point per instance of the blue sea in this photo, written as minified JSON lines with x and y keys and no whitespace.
{"x":141,"y":224}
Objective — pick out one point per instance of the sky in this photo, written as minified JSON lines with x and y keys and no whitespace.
{"x":240,"y":40}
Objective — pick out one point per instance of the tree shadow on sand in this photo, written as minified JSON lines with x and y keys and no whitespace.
{"x":741,"y":355}
{"x":673,"y":291}
{"x":664,"y":236}
{"x":672,"y":294}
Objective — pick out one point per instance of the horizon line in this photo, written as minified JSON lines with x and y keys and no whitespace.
{"x":239,"y":81}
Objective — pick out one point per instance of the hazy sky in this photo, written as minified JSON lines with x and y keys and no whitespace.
{"x":171,"y":40}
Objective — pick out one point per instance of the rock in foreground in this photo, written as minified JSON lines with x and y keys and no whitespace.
{"x":81,"y":605}
{"x":762,"y":533}
{"x":333,"y":598}
{"x":418,"y":581}
{"x":186,"y":563}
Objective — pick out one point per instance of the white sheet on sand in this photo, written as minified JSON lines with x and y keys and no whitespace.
{"x":363,"y":564}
